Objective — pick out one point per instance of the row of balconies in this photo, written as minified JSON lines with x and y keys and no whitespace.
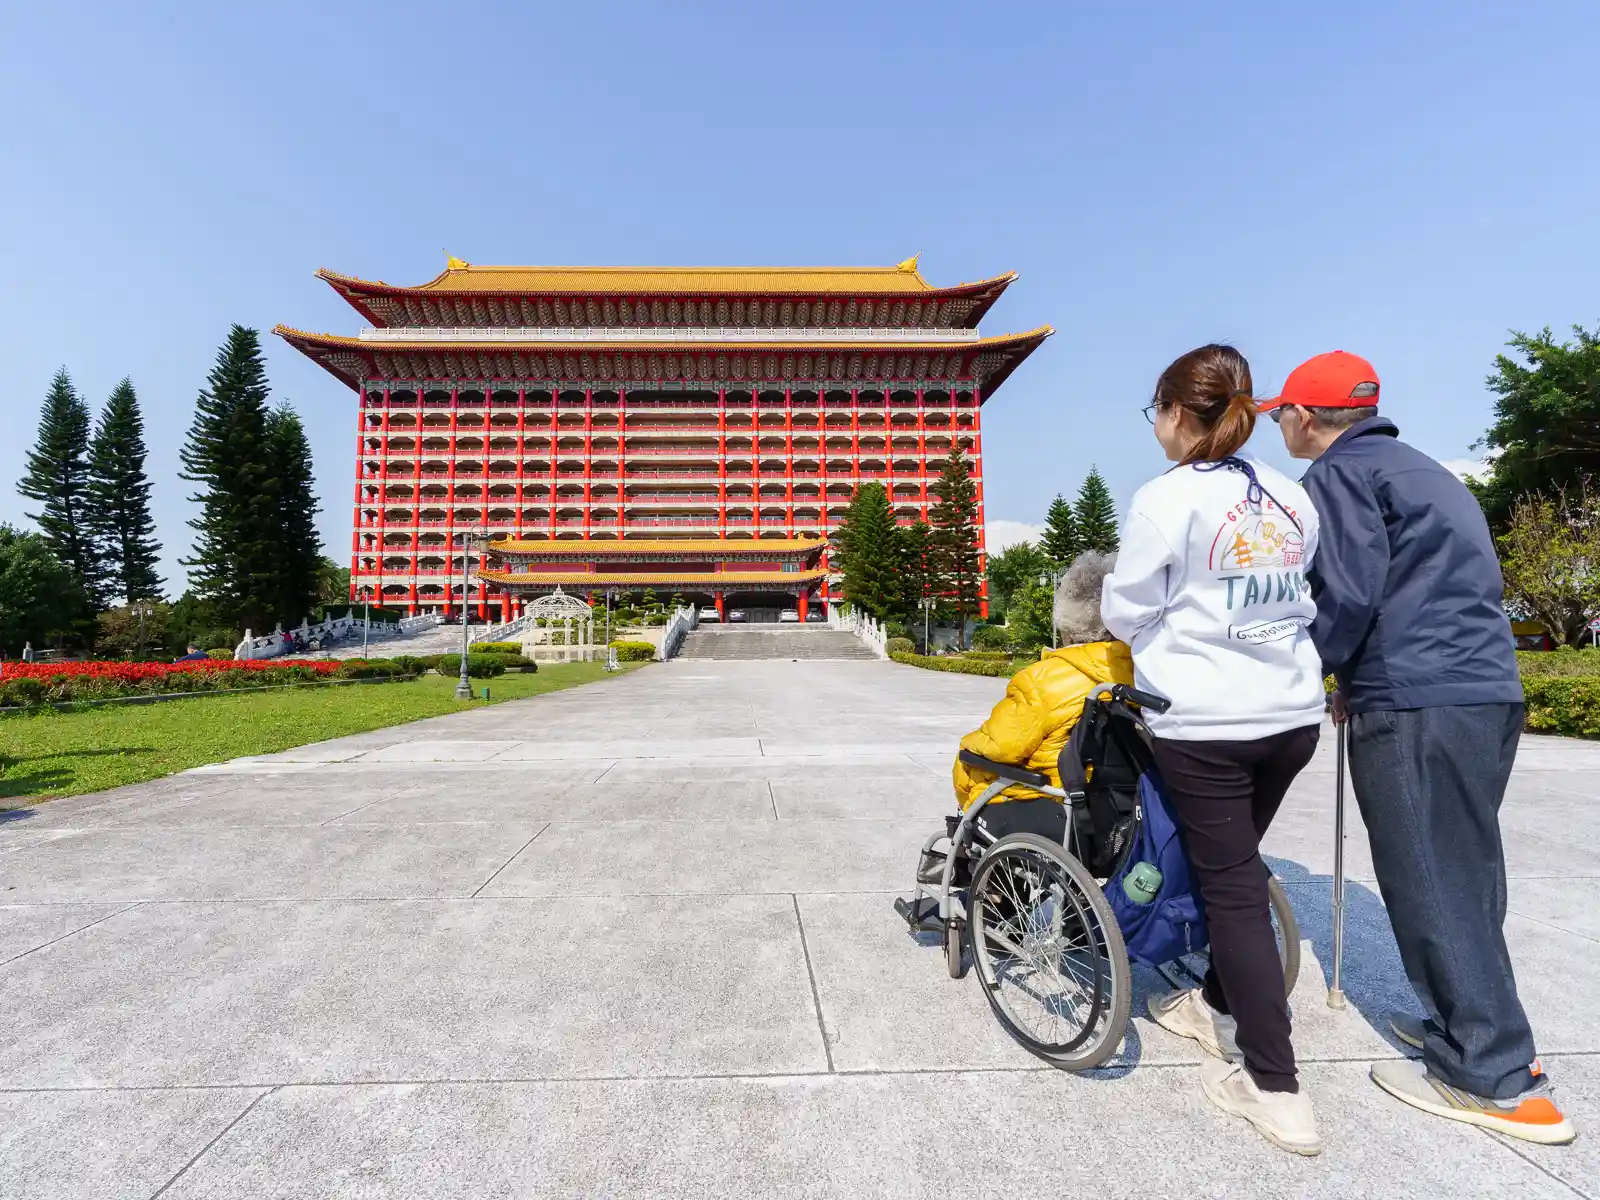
{"x":739,"y":400}
{"x":844,"y":443}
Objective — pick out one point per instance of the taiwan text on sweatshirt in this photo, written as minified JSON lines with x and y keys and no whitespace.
{"x":1210,"y":592}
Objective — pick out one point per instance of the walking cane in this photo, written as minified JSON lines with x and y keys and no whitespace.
{"x":1336,"y":992}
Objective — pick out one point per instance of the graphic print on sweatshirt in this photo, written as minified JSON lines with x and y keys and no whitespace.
{"x":1258,"y":555}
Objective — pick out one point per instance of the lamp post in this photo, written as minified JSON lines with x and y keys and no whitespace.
{"x":1052,"y":580}
{"x":366,"y":618}
{"x":468,"y":542}
{"x":926,"y":604}
{"x":144,"y":609}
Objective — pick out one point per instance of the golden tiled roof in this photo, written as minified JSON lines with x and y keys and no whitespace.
{"x":594,"y":548}
{"x":761,"y":281}
{"x":702,"y":581}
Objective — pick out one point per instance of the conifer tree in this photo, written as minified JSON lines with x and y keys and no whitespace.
{"x":119,"y":493}
{"x":57,"y":477}
{"x":870,"y":552}
{"x":235,"y":562}
{"x":955,"y":538}
{"x":299,"y":562}
{"x":918,"y":570}
{"x":1060,"y":541}
{"x":1095,"y":515}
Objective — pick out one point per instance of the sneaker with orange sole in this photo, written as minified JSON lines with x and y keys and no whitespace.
{"x":1530,"y":1117}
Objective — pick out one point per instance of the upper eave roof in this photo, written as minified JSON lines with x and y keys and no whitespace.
{"x":574,"y":548}
{"x":623,"y":281}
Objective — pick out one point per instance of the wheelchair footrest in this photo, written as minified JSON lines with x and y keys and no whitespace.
{"x":922,"y":914}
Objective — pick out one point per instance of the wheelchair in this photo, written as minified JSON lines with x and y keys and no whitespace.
{"x":1031,"y":913}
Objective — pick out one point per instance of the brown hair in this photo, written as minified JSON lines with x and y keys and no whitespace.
{"x":1214,"y":384}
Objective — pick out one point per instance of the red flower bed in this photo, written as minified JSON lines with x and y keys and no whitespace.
{"x":131,"y":672}
{"x":26,"y":684}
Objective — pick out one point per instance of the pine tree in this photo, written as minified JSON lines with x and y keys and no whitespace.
{"x":870,"y":553}
{"x":299,"y":562}
{"x":235,"y":563}
{"x":918,"y":568}
{"x":58,"y":478}
{"x":1095,"y":515}
{"x":955,"y":539}
{"x":1060,"y":542}
{"x":119,"y":493}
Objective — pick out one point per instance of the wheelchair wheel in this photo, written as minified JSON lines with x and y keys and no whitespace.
{"x":1287,"y":930}
{"x":1049,"y":952}
{"x":954,"y":949}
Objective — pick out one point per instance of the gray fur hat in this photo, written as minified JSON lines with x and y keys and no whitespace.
{"x":1077,"y":606}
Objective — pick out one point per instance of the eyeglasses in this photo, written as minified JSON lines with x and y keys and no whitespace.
{"x":1152,"y":409}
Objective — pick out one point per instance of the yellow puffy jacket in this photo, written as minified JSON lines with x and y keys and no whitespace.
{"x":1031,"y":724}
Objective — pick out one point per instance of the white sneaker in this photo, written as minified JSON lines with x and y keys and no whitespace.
{"x":1188,"y":1015}
{"x":1284,"y":1118}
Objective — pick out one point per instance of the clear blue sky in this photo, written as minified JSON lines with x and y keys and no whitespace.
{"x":1403,"y":180}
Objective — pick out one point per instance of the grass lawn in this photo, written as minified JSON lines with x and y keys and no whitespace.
{"x":63,"y":753}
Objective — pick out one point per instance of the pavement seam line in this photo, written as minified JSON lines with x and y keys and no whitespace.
{"x":402,"y":790}
{"x":1552,"y":925}
{"x":1507,"y":1143}
{"x":510,"y":860}
{"x":773,"y":796}
{"x":811,"y":974}
{"x":71,"y":933}
{"x":183,"y":1170}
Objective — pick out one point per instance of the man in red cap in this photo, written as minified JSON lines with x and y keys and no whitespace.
{"x":1410,"y":623}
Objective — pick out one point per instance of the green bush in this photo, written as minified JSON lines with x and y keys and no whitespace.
{"x":991,"y":637}
{"x":987,"y":655}
{"x":410,"y":664}
{"x":1568,"y":704}
{"x":634,"y":651}
{"x":221,"y":652}
{"x":479,"y":666}
{"x":1563,"y":662}
{"x":896,"y":629}
{"x":657,"y":619}
{"x":960,"y":666}
{"x":370,"y":668}
{"x":512,"y":648}
{"x":21,"y":692}
{"x":900,"y":645}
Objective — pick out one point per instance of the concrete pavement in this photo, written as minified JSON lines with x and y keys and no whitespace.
{"x":635,"y":939}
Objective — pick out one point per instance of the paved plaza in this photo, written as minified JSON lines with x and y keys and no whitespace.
{"x":636,"y":939}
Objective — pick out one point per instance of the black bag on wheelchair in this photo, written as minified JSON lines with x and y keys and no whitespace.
{"x":1100,"y":768}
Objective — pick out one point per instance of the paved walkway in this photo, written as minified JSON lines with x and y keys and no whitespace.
{"x":635,"y":939}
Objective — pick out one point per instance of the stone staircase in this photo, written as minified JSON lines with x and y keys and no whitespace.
{"x":772,"y":642}
{"x":441,"y":639}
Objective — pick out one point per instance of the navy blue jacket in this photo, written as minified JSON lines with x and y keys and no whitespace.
{"x":1406,"y":580}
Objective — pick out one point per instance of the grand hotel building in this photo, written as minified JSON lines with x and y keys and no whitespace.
{"x":693,"y":430}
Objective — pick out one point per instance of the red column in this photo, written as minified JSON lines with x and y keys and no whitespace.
{"x":522,"y":406}
{"x":800,"y":602}
{"x":356,"y":519}
{"x":788,"y":456}
{"x":922,"y":453}
{"x":722,"y":463}
{"x":555,"y":455}
{"x":621,"y":475}
{"x":983,"y":520}
{"x":588,"y":455}
{"x":505,"y":606}
{"x":722,"y":608}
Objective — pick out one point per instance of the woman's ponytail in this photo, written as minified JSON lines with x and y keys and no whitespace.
{"x":1214,"y":384}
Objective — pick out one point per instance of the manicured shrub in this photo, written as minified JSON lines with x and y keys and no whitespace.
{"x":479,"y":666}
{"x":1564,"y":662}
{"x":896,"y":629}
{"x":512,"y":648}
{"x":958,"y":665}
{"x":221,"y":653}
{"x":988,"y":655}
{"x":634,"y":651}
{"x":370,"y":668}
{"x":409,"y":664}
{"x":991,"y":637}
{"x":1568,"y":704}
{"x":900,"y":645}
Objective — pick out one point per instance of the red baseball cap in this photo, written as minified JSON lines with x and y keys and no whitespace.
{"x":1333,"y":380}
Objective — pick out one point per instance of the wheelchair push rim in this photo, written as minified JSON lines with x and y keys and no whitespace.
{"x":1048,"y":952}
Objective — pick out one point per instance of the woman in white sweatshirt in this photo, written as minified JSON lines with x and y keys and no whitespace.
{"x":1210,"y":592}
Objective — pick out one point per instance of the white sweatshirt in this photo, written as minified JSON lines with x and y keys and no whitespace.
{"x":1210,"y":593}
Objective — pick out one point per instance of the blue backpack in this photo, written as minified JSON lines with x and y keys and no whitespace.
{"x":1174,"y":923}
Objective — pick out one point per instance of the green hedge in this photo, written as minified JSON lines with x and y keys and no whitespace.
{"x":900,"y":645}
{"x":1544,"y":663}
{"x":479,"y":666}
{"x":987,"y":655}
{"x":634,"y":651}
{"x":512,"y":648}
{"x":959,"y":666}
{"x":1568,"y":704}
{"x":221,"y":653}
{"x":991,"y":637}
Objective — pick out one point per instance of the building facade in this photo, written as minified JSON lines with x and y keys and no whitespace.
{"x":500,"y":409}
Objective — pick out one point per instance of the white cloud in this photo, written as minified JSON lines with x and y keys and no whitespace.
{"x":1001,"y":534}
{"x":1467,"y":468}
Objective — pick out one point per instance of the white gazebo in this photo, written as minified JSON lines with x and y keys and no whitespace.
{"x":561,"y":629}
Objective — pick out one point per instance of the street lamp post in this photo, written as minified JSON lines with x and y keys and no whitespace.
{"x":468,"y":541}
{"x":1052,"y":580}
{"x":926,"y":604}
{"x":366,"y":618}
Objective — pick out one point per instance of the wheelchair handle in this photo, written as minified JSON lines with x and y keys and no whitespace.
{"x":1156,"y":704}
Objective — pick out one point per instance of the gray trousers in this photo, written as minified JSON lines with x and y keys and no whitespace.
{"x":1429,"y":782}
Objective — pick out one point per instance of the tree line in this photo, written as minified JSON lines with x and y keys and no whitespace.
{"x":89,"y":575}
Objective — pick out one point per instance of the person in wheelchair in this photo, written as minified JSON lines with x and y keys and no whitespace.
{"x":1031,"y":724}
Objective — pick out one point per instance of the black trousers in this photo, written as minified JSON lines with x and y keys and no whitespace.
{"x":1430,"y":782}
{"x":1224,"y":795}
